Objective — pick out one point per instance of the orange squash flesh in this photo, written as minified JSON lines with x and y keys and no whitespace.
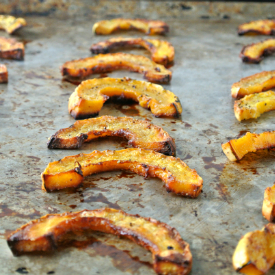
{"x":103,"y":63}
{"x":162,"y":51}
{"x":89,"y":97}
{"x":268,"y":209}
{"x":235,"y":149}
{"x":171,"y":254}
{"x":11,"y":49}
{"x":3,"y":74}
{"x":70,"y":171}
{"x":255,"y":52}
{"x":150,"y":27}
{"x":256,"y":83}
{"x":10,"y":24}
{"x":266,"y":27}
{"x":140,"y":133}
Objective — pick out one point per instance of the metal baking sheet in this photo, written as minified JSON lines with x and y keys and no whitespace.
{"x":33,"y":106}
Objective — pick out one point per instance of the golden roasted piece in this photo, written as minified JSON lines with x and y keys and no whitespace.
{"x":10,"y":24}
{"x":255,"y":83}
{"x":3,"y":74}
{"x":103,"y":63}
{"x":255,"y":52}
{"x":70,"y":171}
{"x":89,"y":97}
{"x":266,"y":27}
{"x":162,"y":51}
{"x":150,"y":27}
{"x":11,"y":49}
{"x":255,"y":252}
{"x":252,"y":106}
{"x":171,"y":254}
{"x":140,"y":133}
{"x":235,"y":149}
{"x":268,"y":209}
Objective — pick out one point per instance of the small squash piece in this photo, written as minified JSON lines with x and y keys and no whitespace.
{"x":268,"y":209}
{"x":103,"y":63}
{"x":252,"y":106}
{"x":255,"y":83}
{"x":10,"y":24}
{"x":266,"y":27}
{"x":70,"y":171}
{"x":89,"y":97}
{"x":150,"y":27}
{"x":11,"y":49}
{"x":235,"y":149}
{"x":3,"y":74}
{"x":255,"y":252}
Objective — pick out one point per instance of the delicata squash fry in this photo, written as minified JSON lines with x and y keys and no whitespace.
{"x":268,"y":209}
{"x":150,"y":27}
{"x":266,"y":27}
{"x":253,"y":84}
{"x":255,"y":52}
{"x":252,"y":106}
{"x":3,"y":74}
{"x":10,"y":24}
{"x":70,"y":171}
{"x":162,"y":51}
{"x":140,"y":133}
{"x":255,"y":252}
{"x":103,"y":63}
{"x":171,"y":254}
{"x":89,"y":97}
{"x":11,"y":49}
{"x":235,"y":149}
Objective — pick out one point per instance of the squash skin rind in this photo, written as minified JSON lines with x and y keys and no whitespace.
{"x":263,"y":27}
{"x":268,"y":208}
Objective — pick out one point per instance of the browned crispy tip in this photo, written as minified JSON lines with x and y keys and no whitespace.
{"x":265,"y":27}
{"x":255,"y":52}
{"x":171,"y":254}
{"x":10,"y":24}
{"x":103,"y":63}
{"x":150,"y":27}
{"x":89,"y":97}
{"x":140,"y":134}
{"x":70,"y":171}
{"x":3,"y":74}
{"x":11,"y":49}
{"x":162,"y":51}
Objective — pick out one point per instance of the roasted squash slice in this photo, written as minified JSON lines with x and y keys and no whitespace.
{"x":140,"y":133}
{"x":255,"y":52}
{"x":70,"y":171}
{"x":10,"y":24}
{"x":3,"y":74}
{"x":162,"y":51}
{"x":253,"y":84}
{"x":255,"y":252}
{"x":11,"y":49}
{"x":235,"y":149}
{"x":266,"y":27}
{"x":268,"y":209}
{"x":150,"y":27}
{"x":89,"y":97}
{"x":171,"y":254}
{"x":103,"y":63}
{"x":252,"y":106}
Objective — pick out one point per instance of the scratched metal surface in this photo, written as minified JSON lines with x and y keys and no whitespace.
{"x":34,"y":106}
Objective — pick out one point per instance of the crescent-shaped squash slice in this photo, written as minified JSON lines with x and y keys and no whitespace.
{"x":171,"y":254}
{"x":255,"y":252}
{"x":252,"y":106}
{"x":3,"y":74}
{"x":11,"y":49}
{"x":10,"y":24}
{"x":140,"y":133}
{"x":235,"y":149}
{"x":266,"y":27}
{"x":150,"y":27}
{"x":103,"y":63}
{"x":89,"y":97}
{"x":253,"y":84}
{"x":255,"y":52}
{"x":162,"y":51}
{"x":268,"y":209}
{"x":70,"y":171}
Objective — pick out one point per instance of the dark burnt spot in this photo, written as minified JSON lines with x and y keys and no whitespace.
{"x":126,"y":174}
{"x":73,"y":81}
{"x":185,"y":7}
{"x":73,"y":206}
{"x":22,"y":270}
{"x":157,"y":69}
{"x":242,"y":133}
{"x":205,"y":17}
{"x":226,"y":16}
{"x":170,"y":247}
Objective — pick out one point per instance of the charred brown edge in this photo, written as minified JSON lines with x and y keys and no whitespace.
{"x":169,"y":148}
{"x":56,"y":142}
{"x":16,"y":54}
{"x":233,"y":151}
